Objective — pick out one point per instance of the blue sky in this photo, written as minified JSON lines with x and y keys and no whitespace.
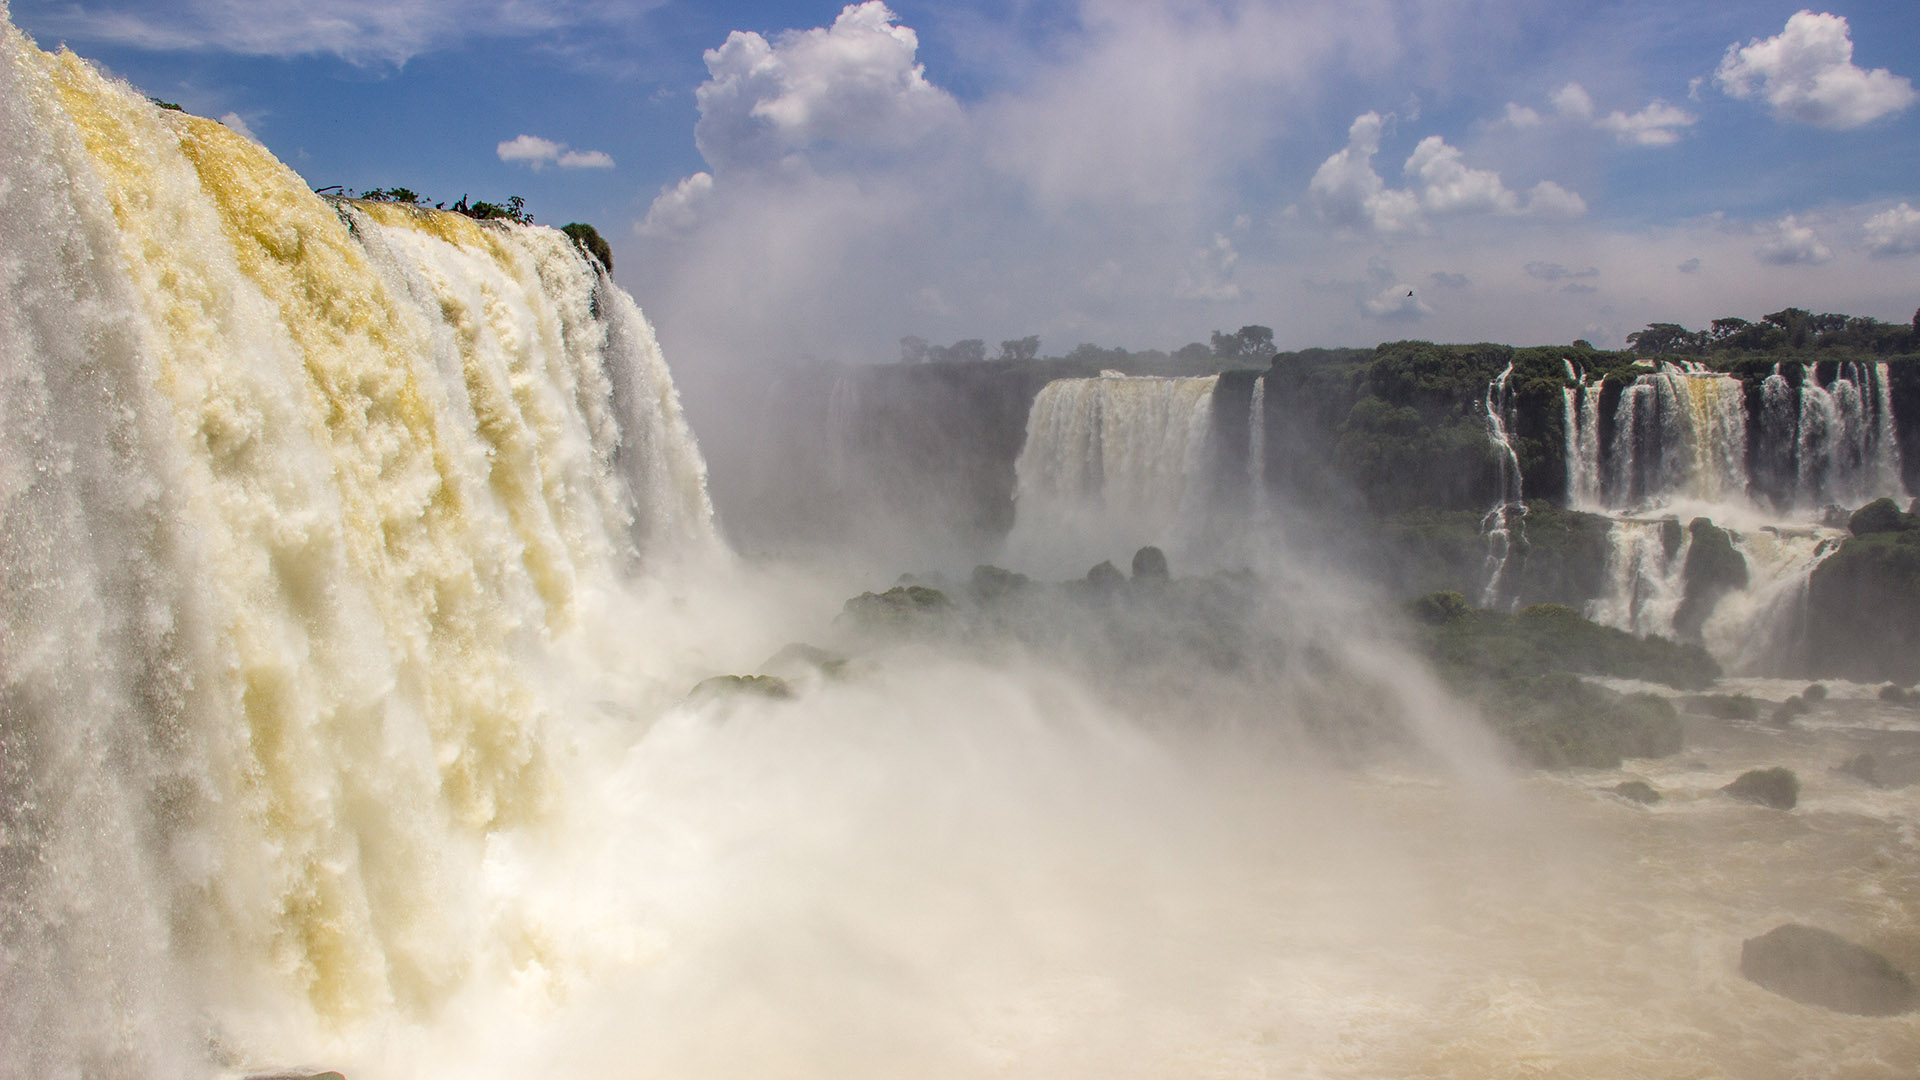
{"x":782,"y":180}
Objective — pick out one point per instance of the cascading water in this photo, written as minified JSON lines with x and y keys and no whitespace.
{"x":1504,"y":526}
{"x":1110,"y":464}
{"x":1257,"y":450}
{"x":307,"y":508}
{"x":1682,"y":439}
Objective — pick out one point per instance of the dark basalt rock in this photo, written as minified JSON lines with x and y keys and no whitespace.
{"x":1106,"y":576}
{"x":1819,"y":967}
{"x":1880,"y":516}
{"x":1713,"y":569}
{"x":1788,"y":710}
{"x":1150,"y":564}
{"x":1776,"y":787}
{"x":902,"y":602}
{"x":1637,"y":791}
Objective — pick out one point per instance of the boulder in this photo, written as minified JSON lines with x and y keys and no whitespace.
{"x":1818,"y":967}
{"x":1776,"y":787}
{"x":1895,"y":693}
{"x":1863,"y":609}
{"x":1814,"y":692}
{"x":1105,"y":577}
{"x":1788,"y":710}
{"x":1713,"y":569}
{"x":1637,"y":791}
{"x":992,"y":582}
{"x":1890,"y":770}
{"x":1150,"y":564}
{"x":1880,"y":516}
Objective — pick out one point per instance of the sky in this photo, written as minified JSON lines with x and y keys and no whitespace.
{"x":787,"y":181}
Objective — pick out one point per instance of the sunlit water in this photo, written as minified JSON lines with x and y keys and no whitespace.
{"x":355,"y":564}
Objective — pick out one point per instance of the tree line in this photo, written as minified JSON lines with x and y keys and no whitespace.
{"x":1249,"y":346}
{"x":1789,"y":329}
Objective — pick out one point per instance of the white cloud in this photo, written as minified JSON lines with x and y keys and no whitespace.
{"x":1894,"y":232}
{"x":854,"y":86}
{"x":359,"y":31}
{"x":677,"y":208}
{"x":1208,"y":274}
{"x":1657,"y":124}
{"x":234,"y":121}
{"x":586,"y":159}
{"x":1520,"y":116}
{"x":1572,"y":100}
{"x":1347,"y":191}
{"x":1448,"y":186}
{"x":1806,"y":73}
{"x":537,"y":153}
{"x":1793,"y":244}
{"x":531,"y":149}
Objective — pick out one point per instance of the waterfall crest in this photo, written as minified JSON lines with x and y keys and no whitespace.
{"x":1112,"y":463}
{"x":302,"y":502}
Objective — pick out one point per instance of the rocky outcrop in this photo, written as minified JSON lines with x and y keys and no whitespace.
{"x":1863,"y":602}
{"x":1637,"y":791}
{"x":1713,"y":569}
{"x":1776,"y":787}
{"x":1819,"y":967}
{"x":1150,"y":564}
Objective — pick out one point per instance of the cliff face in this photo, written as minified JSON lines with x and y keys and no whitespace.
{"x":1863,"y":601}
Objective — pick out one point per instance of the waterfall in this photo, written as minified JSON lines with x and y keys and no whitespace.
{"x":1257,"y":449}
{"x":1643,"y":585}
{"x":1845,"y":449}
{"x":1678,"y":434}
{"x":1509,"y":512}
{"x":1112,"y":463}
{"x":1581,"y":419}
{"x":305,"y":511}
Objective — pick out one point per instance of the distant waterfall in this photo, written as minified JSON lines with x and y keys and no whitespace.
{"x":1685,"y":434}
{"x":312,"y":516}
{"x":1504,"y":526}
{"x":1112,"y":463}
{"x":1257,"y":449}
{"x":1685,"y":438}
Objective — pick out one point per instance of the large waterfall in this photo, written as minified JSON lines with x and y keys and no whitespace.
{"x":1110,"y":464}
{"x":1683,"y":443}
{"x":302,"y":505}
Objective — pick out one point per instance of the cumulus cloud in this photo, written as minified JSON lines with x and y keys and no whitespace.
{"x":1347,"y":190}
{"x":854,"y":86}
{"x":1208,"y":274}
{"x":1793,"y":244}
{"x":358,"y":31}
{"x":1894,"y":232}
{"x":1806,"y":74}
{"x":1657,"y":124}
{"x":677,"y":208}
{"x":537,"y":153}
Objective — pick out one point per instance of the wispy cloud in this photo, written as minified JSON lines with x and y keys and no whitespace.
{"x":359,"y":31}
{"x":1656,"y":124}
{"x":1806,"y":74}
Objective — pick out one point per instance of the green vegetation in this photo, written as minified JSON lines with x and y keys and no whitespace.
{"x":167,"y":105}
{"x":1787,"y":330}
{"x":589,"y":240}
{"x":1524,"y":671}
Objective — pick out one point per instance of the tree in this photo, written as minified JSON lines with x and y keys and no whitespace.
{"x":1249,"y":344}
{"x":1023,"y":349}
{"x":964,"y":351}
{"x":913,"y":350}
{"x":1664,"y":338}
{"x":589,"y":240}
{"x":1192,"y":355}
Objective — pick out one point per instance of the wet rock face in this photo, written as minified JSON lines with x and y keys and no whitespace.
{"x":1818,"y":967}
